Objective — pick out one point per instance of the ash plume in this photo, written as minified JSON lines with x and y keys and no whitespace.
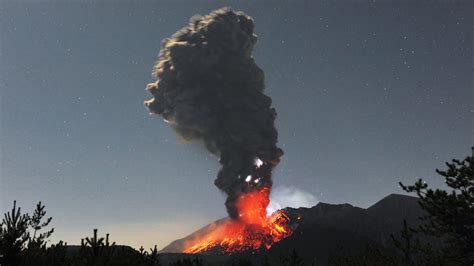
{"x":209,"y":88}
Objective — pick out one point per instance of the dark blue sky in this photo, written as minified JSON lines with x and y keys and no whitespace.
{"x":367,"y":95}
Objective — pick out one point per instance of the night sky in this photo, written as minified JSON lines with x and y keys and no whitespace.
{"x":367,"y":95}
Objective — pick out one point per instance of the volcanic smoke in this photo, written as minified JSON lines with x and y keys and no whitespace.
{"x":209,"y":88}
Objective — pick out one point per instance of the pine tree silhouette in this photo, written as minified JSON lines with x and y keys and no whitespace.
{"x":13,"y":235}
{"x":153,"y":257}
{"x":37,"y":224}
{"x":407,"y":244}
{"x":97,"y":250}
{"x":95,"y":244}
{"x":450,"y":215}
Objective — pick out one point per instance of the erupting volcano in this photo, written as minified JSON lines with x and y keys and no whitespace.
{"x":252,"y":231}
{"x":209,"y":88}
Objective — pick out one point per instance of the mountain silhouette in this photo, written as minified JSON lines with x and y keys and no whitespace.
{"x":328,"y":229}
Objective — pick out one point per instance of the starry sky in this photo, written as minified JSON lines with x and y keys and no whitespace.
{"x":367,"y":93}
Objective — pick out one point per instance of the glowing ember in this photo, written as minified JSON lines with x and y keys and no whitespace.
{"x":252,"y":231}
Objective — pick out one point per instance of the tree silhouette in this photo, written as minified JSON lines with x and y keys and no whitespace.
{"x":37,"y":224}
{"x":36,"y":247}
{"x":153,"y":257}
{"x":17,"y":244}
{"x":13,"y":235}
{"x":56,"y":254}
{"x":94,"y":243}
{"x":407,"y":243}
{"x":97,"y":250}
{"x":450,"y":215}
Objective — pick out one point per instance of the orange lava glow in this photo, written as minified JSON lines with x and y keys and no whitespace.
{"x":252,"y":231}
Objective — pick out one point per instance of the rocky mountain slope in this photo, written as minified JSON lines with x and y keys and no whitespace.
{"x":328,"y":229}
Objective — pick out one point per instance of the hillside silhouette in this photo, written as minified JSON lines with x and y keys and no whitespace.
{"x":323,"y":229}
{"x":434,"y":228}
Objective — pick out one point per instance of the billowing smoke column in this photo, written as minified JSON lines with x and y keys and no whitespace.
{"x":209,"y":88}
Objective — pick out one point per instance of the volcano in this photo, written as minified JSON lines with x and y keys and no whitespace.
{"x":320,"y":231}
{"x":209,"y":89}
{"x":253,"y":231}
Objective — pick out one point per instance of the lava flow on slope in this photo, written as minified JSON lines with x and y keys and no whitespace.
{"x":253,"y":231}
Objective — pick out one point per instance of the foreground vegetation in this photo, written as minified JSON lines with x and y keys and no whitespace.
{"x":449,"y":220}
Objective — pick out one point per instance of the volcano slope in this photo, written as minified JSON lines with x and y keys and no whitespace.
{"x":326,"y":230}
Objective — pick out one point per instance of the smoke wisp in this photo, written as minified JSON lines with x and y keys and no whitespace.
{"x":282,"y":197}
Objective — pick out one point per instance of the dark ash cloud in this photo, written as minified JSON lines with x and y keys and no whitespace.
{"x":209,"y":88}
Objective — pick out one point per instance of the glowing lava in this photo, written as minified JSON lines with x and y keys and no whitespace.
{"x":252,"y":231}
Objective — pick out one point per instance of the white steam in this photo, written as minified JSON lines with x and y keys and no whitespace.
{"x":282,"y":197}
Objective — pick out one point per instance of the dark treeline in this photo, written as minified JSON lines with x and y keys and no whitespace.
{"x":449,"y":221}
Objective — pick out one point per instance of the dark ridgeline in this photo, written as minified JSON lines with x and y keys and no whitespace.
{"x":209,"y":88}
{"x":320,"y":230}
